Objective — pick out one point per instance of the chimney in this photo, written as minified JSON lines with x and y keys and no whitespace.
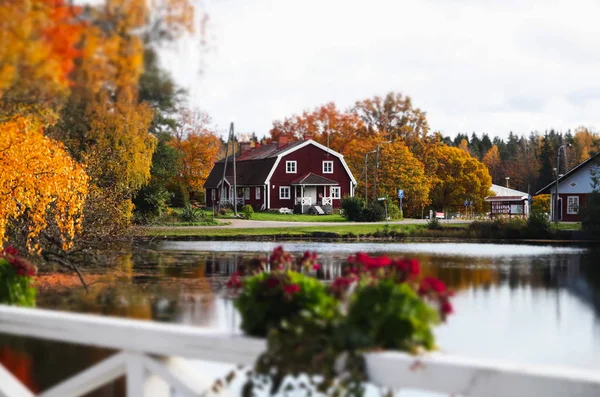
{"x":283,"y":140}
{"x":245,"y":147}
{"x":308,"y":136}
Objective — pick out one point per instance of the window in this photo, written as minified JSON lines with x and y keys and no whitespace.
{"x":290,"y":167}
{"x":284,"y":192}
{"x":572,"y":204}
{"x":328,"y":167}
{"x":213,"y":194}
{"x":257,"y":193}
{"x":247,"y":193}
{"x":335,"y":193}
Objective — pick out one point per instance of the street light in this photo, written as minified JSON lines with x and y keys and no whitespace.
{"x":376,"y":168}
{"x":507,"y":178}
{"x":367,"y":174}
{"x":557,"y":172}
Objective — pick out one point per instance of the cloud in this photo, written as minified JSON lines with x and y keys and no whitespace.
{"x":488,"y":66}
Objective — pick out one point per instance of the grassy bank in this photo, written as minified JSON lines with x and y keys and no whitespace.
{"x":348,"y":230}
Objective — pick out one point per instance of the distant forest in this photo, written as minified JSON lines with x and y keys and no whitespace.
{"x":529,"y":162}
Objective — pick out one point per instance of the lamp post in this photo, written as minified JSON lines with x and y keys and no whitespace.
{"x":376,"y":168}
{"x":557,"y":172}
{"x":507,"y":178}
{"x":367,"y":174}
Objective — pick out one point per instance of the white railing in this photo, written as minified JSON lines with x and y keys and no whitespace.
{"x":229,"y":201}
{"x":326,"y":201}
{"x":138,"y":340}
{"x":306,"y":201}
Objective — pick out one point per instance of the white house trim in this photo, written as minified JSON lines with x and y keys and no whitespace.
{"x":300,"y":146}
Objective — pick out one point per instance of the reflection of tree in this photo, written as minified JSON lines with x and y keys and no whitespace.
{"x":42,"y":364}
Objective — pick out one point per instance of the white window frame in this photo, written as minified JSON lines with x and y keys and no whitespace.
{"x":257,"y":193}
{"x":572,"y":201}
{"x":294,"y":165}
{"x":338,"y":192}
{"x":330,"y":164}
{"x":213,"y":194}
{"x":246,"y":193}
{"x":284,"y":189}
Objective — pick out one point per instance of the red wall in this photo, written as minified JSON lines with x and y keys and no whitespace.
{"x":572,"y":217}
{"x":309,"y":159}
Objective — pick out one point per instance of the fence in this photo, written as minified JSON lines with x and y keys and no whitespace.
{"x":139,"y":342}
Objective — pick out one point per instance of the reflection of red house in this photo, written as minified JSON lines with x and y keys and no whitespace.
{"x":573,"y":189}
{"x":299,"y":175}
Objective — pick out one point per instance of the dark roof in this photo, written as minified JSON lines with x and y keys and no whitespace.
{"x":248,"y":173}
{"x":575,"y":169}
{"x":263,"y":152}
{"x":313,"y":179}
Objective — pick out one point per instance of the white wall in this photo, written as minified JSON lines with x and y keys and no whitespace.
{"x":582,"y":181}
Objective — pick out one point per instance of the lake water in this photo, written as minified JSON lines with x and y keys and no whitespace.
{"x":520,"y":303}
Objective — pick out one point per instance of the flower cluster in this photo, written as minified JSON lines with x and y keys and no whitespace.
{"x":20,"y":265}
{"x":435,"y":290}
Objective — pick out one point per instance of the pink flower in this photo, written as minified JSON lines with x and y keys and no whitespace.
{"x":410,"y":267}
{"x":316,"y":266}
{"x":291,"y":289}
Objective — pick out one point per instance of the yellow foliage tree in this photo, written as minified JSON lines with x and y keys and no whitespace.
{"x":493,"y":162}
{"x":38,"y":178}
{"x":400,"y":169}
{"x":462,"y":177}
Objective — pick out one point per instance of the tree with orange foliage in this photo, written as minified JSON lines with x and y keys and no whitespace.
{"x":493,"y":162}
{"x":325,"y":124}
{"x":198,"y":146}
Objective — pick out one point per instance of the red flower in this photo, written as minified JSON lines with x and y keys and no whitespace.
{"x":291,"y":289}
{"x":12,"y":251}
{"x":272,"y":282}
{"x":431,"y":284}
{"x":234,"y":282}
{"x":410,"y":267}
{"x":316,"y":266}
{"x":446,"y":307}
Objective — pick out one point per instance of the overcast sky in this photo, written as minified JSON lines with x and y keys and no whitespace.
{"x":473,"y":65}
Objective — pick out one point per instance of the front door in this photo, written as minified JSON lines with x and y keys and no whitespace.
{"x":311,"y":191}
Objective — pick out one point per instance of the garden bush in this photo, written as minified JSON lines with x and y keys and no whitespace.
{"x":353,"y":207}
{"x":16,"y":279}
{"x":248,"y":211}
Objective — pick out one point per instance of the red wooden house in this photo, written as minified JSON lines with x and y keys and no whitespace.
{"x":303,"y":176}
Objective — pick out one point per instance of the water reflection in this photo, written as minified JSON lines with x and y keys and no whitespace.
{"x":541,"y":308}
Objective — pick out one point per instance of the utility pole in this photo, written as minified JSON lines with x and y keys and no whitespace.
{"x":556,"y":206}
{"x":376,"y":168}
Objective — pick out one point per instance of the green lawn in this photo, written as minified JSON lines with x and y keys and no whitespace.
{"x":568,"y":226}
{"x":270,"y":216}
{"x":341,"y":230}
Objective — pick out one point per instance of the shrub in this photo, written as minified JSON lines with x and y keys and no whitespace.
{"x":248,"y":211}
{"x":590,"y":215}
{"x":541,"y":203}
{"x":434,"y":224}
{"x":353,"y":207}
{"x":373,"y":212}
{"x":538,"y":224}
{"x":393,"y":210}
{"x":16,"y":275}
{"x":150,"y":203}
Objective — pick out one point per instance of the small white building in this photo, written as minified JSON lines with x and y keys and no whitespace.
{"x":508,"y":202}
{"x":573,"y":189}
